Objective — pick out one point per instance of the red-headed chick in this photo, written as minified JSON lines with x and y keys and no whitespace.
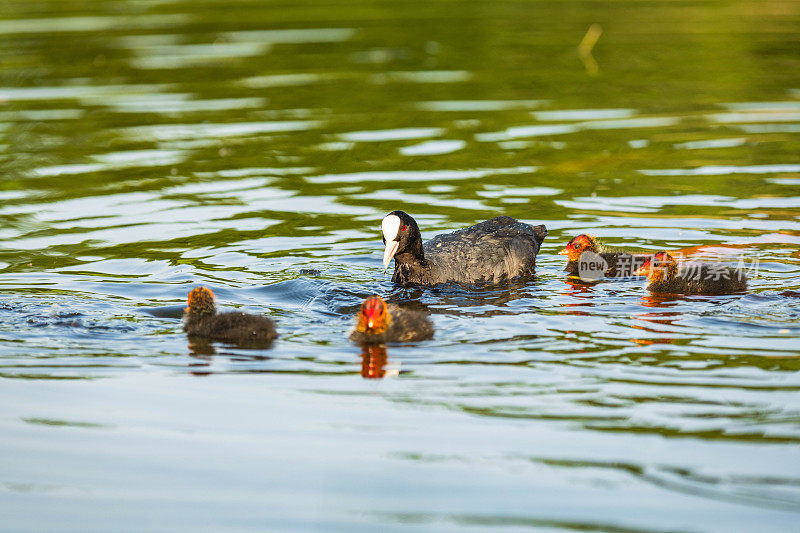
{"x":665,"y":274}
{"x":379,"y":322}
{"x":618,"y":263}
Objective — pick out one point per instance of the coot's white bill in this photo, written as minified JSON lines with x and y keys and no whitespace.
{"x":390,"y":226}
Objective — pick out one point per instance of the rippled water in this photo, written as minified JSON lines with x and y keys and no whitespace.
{"x":147,"y":147}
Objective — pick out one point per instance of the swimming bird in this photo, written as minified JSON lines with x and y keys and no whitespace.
{"x":201,"y":319}
{"x":614,"y":264}
{"x":379,"y":322}
{"x":492,"y":251}
{"x":665,"y":274}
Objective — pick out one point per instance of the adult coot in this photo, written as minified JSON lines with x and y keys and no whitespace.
{"x":492,"y":251}
{"x":200,"y":319}
{"x":379,"y":322}
{"x":615,"y":263}
{"x":665,"y":274}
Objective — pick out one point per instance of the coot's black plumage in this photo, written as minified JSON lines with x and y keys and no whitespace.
{"x":202,"y":320}
{"x":492,"y":251}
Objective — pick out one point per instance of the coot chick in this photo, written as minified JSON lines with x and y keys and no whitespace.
{"x":492,"y":251}
{"x":618,"y":263}
{"x":379,"y":322}
{"x":665,"y":274}
{"x":200,"y":319}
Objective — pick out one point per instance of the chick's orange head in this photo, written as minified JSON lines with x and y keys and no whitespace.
{"x":577,"y":246}
{"x":373,"y":317}
{"x":201,"y":300}
{"x":655,"y":267}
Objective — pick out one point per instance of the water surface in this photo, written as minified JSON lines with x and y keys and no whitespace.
{"x":147,"y":147}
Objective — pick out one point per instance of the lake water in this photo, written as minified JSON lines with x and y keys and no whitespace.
{"x":150,"y":146}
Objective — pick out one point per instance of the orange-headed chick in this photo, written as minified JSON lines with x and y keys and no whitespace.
{"x":379,"y":322}
{"x":619,"y":263}
{"x":578,"y":245}
{"x":665,"y":274}
{"x":200,"y":319}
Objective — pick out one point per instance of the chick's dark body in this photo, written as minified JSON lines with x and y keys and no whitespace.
{"x":620,"y":264}
{"x":701,"y":278}
{"x":405,"y":325}
{"x":234,"y":327}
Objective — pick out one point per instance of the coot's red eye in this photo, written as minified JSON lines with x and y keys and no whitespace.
{"x":403,"y":228}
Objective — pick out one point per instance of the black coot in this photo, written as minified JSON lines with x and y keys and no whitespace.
{"x":492,"y":251}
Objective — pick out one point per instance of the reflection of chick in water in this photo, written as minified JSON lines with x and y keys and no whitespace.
{"x":200,"y":347}
{"x":379,"y":322}
{"x":201,"y":320}
{"x":655,"y":333}
{"x":374,"y":362}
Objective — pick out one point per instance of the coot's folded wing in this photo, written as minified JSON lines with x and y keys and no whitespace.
{"x":489,"y":252}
